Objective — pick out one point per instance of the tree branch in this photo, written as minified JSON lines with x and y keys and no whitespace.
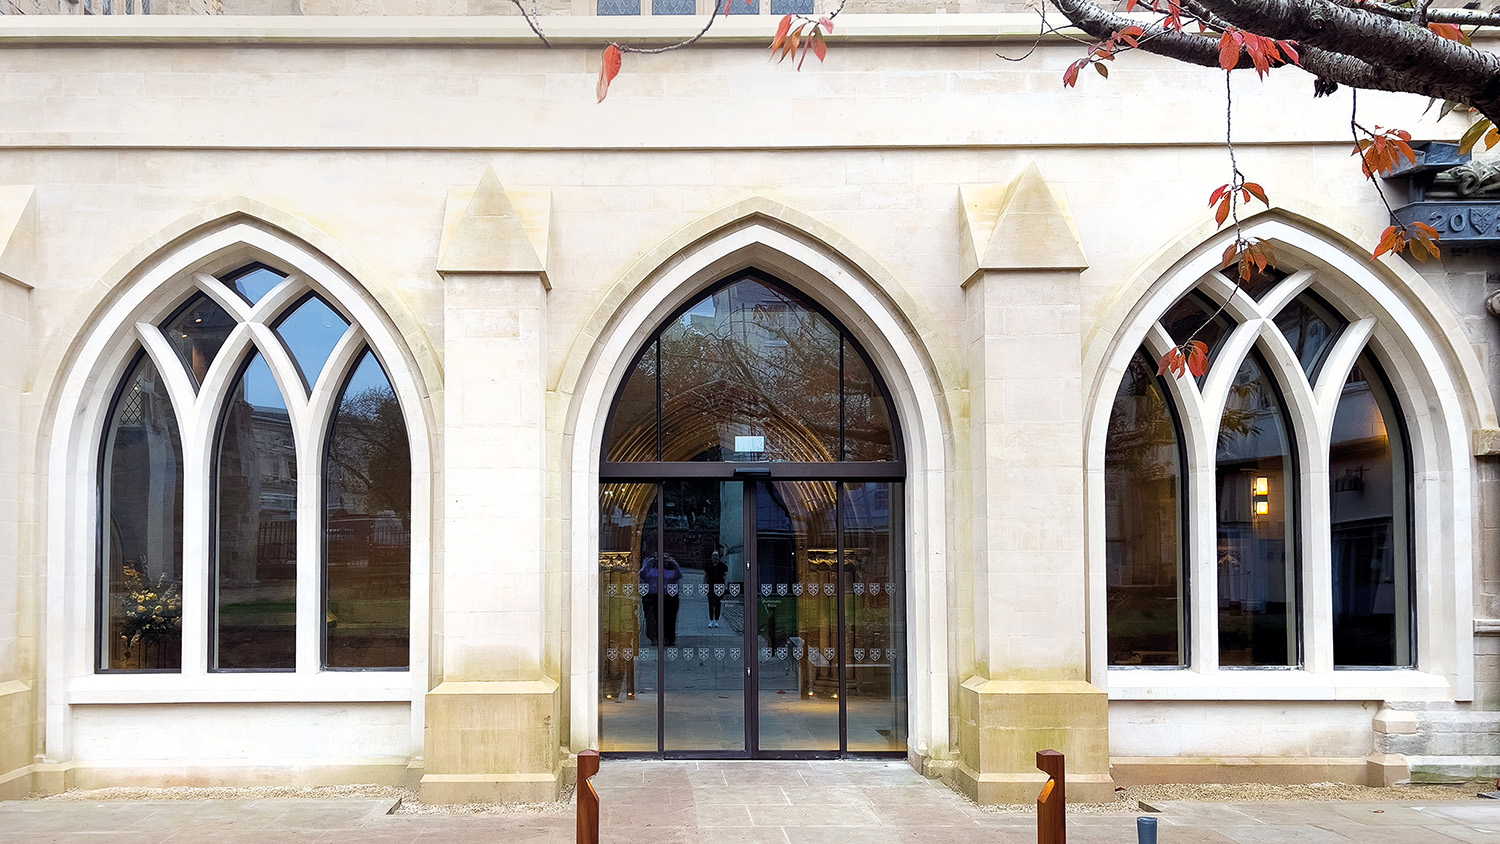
{"x":1414,"y":59}
{"x":1462,"y":17}
{"x":1475,"y":80}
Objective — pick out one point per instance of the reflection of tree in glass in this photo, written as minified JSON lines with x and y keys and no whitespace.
{"x":369,"y":452}
{"x":761,"y":365}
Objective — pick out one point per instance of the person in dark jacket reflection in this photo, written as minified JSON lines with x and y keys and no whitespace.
{"x":669,"y":576}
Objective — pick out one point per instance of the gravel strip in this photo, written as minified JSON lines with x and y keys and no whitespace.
{"x":1128,"y":799}
{"x":408,"y":803}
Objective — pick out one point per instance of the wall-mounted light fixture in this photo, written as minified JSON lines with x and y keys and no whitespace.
{"x":1262,"y":490}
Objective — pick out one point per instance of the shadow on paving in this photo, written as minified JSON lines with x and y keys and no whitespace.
{"x":739,"y":803}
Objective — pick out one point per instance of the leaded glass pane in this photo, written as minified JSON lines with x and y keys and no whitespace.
{"x":254,"y":282}
{"x":619,"y":7}
{"x":1368,"y":483}
{"x":1257,"y":584}
{"x":142,"y":506}
{"x":791,"y":7}
{"x":255,"y":595}
{"x":673,"y":7}
{"x":367,"y":615}
{"x":1142,"y":527}
{"x":198,"y":331}
{"x":310,"y":333}
{"x":740,"y":7}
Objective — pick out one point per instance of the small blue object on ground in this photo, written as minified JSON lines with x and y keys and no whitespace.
{"x":1145,"y":830}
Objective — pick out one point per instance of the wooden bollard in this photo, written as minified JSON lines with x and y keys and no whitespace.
{"x":588,"y":798}
{"x":1052,"y":803}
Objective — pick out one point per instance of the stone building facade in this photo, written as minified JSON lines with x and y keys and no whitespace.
{"x":370,"y":395}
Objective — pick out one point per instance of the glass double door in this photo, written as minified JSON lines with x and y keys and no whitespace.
{"x":757,"y":619}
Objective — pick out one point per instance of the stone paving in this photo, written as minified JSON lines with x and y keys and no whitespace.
{"x":740,"y":803}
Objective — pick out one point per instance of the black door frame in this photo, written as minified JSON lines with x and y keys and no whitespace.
{"x":751,"y":482}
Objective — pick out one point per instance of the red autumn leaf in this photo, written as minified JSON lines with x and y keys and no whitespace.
{"x":1070,"y":76}
{"x":1197,"y":361}
{"x":1449,"y":31}
{"x":781,"y":31}
{"x":609,"y":68}
{"x":826,"y":23}
{"x":1229,"y":50}
{"x":1172,"y":361}
{"x":820,"y":47}
{"x":1222,"y":213}
{"x":1258,"y":192}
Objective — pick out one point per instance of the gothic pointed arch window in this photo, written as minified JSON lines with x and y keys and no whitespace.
{"x":255,"y":488}
{"x":751,"y":564}
{"x":1275,"y":486}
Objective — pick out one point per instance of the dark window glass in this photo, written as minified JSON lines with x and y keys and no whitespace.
{"x":867,"y":420}
{"x":198,"y":331}
{"x":1371,"y":563}
{"x":310,"y":332}
{"x":142,"y":489}
{"x":748,"y":374}
{"x":796,"y":619}
{"x":628,"y":661}
{"x":1257,"y":585}
{"x":1142,"y":524}
{"x":632,"y":430}
{"x":254,"y":282}
{"x":256,"y":564}
{"x":1193,"y":318}
{"x":368,"y":577}
{"x":1259,"y":283}
{"x":875,"y":617}
{"x":1310,"y":328}
{"x":694,"y":608}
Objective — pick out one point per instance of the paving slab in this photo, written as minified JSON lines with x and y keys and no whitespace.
{"x":741,"y":803}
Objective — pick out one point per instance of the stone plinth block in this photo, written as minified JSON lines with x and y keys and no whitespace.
{"x":1003,"y":723}
{"x":492,"y":741}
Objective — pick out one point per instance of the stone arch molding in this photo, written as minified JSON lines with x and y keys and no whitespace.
{"x":1437,"y":382}
{"x":813,"y":258}
{"x":118,"y":317}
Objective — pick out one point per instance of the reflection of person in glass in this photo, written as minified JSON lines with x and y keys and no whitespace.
{"x":715,"y":572}
{"x":669,"y":575}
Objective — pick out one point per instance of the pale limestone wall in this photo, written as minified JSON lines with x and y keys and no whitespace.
{"x":365,"y":142}
{"x":1249,"y":729}
{"x":17,"y":632}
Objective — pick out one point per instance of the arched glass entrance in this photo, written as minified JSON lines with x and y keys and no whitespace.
{"x":752,"y":588}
